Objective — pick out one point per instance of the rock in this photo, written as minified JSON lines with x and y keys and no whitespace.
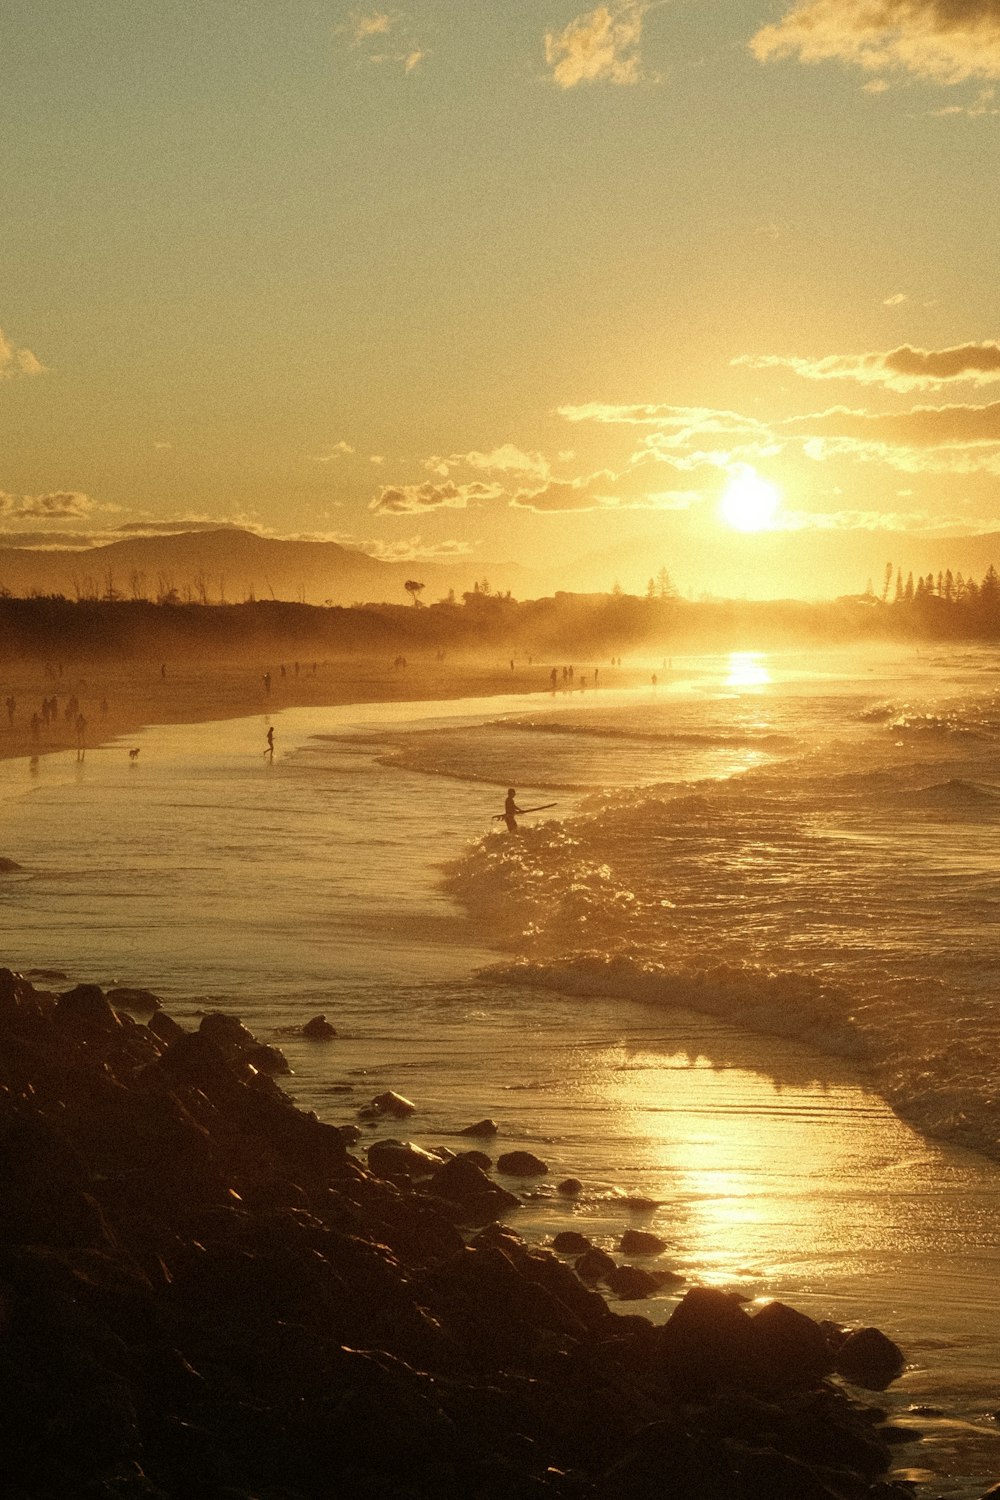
{"x":395,"y":1158}
{"x":127,"y":997}
{"x":521,"y":1164}
{"x":595,"y":1265}
{"x":631,"y":1283}
{"x":791,"y":1349}
{"x":165,"y":1027}
{"x":478,"y":1158}
{"x":481,"y":1128}
{"x":570,"y":1187}
{"x":477,"y":1197}
{"x":571,"y":1242}
{"x":267,"y":1059}
{"x":392,"y":1104}
{"x":869,"y":1359}
{"x":707,"y":1342}
{"x":640,"y":1242}
{"x":318,"y":1029}
{"x":87,"y":1007}
{"x":227,"y":1032}
{"x":8,"y":864}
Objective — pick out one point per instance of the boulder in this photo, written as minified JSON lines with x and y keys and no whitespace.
{"x":869,"y":1359}
{"x":521,"y":1164}
{"x":128,"y":997}
{"x":481,"y":1128}
{"x":640,"y":1242}
{"x":791,"y":1348}
{"x":571,"y":1242}
{"x":318,"y":1029}
{"x":86,"y":1007}
{"x":479,"y":1158}
{"x":570,"y":1187}
{"x":595,"y":1265}
{"x":477,"y":1197}
{"x":393,"y":1158}
{"x":707,"y":1342}
{"x":390,"y":1104}
{"x":631,"y":1283}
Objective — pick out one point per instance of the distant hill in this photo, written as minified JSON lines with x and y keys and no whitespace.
{"x":234,"y":565}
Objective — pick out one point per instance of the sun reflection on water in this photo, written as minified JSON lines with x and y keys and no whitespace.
{"x":747,"y":669}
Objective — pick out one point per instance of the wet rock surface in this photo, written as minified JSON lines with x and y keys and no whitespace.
{"x":204,"y":1293}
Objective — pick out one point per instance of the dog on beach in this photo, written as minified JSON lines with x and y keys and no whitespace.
{"x":133,"y":755}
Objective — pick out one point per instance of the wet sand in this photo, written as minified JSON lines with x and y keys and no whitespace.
{"x":118,"y":699}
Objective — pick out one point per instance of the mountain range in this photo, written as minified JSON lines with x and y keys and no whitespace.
{"x":232,"y":565}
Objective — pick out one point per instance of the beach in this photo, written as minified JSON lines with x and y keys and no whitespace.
{"x":313,"y":883}
{"x":117,"y":698}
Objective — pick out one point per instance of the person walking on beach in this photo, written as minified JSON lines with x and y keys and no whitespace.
{"x":510,"y":809}
{"x":270,"y":742}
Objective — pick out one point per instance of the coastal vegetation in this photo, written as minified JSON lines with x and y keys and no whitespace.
{"x":942,"y":607}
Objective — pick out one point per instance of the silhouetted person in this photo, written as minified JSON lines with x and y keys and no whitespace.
{"x":553,"y":678}
{"x":11,"y":705}
{"x":267,"y":682}
{"x":510,"y":809}
{"x":270,"y":742}
{"x":163,"y":670}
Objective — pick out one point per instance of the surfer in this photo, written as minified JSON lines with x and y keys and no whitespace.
{"x":511,"y":811}
{"x":510,"y":808}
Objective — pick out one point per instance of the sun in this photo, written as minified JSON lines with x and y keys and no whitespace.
{"x":749,"y":503}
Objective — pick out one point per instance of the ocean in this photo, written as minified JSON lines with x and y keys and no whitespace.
{"x":740,"y":981}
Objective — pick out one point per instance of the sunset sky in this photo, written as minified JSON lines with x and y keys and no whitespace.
{"x":509,"y":279}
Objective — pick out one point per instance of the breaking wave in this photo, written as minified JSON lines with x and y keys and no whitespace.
{"x":845,"y":897}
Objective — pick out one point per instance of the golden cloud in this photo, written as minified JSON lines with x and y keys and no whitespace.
{"x":601,"y":46}
{"x":60,"y":505}
{"x":944,"y":41}
{"x":601,"y":491}
{"x":902,"y":369}
{"x":412,"y":499}
{"x":15,"y":362}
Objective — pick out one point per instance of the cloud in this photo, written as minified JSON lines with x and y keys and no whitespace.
{"x":601,"y":491}
{"x":925,"y":439}
{"x":507,"y":459}
{"x":921,"y":426}
{"x":363,"y":27}
{"x":365,"y":31}
{"x":415,"y":549}
{"x":902,"y":369}
{"x":337,"y":451}
{"x":412,"y":499}
{"x":984,"y":104}
{"x":15,"y":362}
{"x":600,"y":46}
{"x":175,"y":528}
{"x":943,"y":41}
{"x":60,"y":505}
{"x":914,"y":521}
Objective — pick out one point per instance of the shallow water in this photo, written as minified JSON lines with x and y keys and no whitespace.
{"x":749,"y":811}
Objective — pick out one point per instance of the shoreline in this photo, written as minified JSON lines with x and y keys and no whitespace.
{"x":118,"y":700}
{"x":218,"y":1295}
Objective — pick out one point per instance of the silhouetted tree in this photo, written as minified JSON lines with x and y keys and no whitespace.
{"x":413,"y":588}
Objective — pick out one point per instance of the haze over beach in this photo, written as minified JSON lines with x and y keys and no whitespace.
{"x":499,"y":750}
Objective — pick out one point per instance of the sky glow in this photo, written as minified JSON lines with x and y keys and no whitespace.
{"x":492,"y":280}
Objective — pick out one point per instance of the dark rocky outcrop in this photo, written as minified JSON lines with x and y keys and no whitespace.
{"x":204,"y":1293}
